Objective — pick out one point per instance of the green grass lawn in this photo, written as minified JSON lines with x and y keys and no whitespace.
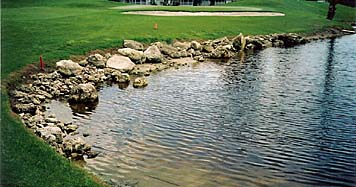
{"x":57,"y":29}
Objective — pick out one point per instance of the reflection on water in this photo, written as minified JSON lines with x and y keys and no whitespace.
{"x":283,"y":117}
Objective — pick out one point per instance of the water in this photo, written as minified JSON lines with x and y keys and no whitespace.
{"x":282,"y":117}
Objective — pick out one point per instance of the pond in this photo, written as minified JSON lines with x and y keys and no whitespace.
{"x":280,"y":117}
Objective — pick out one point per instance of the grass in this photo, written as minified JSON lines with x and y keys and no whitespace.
{"x":57,"y":29}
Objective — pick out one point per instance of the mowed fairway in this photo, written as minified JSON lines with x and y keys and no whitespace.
{"x":57,"y":29}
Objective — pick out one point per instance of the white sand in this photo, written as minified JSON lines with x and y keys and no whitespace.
{"x":169,"y":13}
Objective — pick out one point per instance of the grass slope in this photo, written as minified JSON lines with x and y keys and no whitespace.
{"x":60,"y":28}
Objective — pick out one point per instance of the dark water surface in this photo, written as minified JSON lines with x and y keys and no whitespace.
{"x":283,"y":117}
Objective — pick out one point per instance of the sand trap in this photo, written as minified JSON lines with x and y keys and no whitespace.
{"x":169,"y":13}
{"x":140,"y":7}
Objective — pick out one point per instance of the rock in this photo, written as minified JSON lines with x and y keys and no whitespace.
{"x":196,"y":45}
{"x":108,"y":55}
{"x":70,"y":128}
{"x":85,"y":134}
{"x":25,"y":108}
{"x":239,"y":42}
{"x":68,"y":67}
{"x":135,"y":55}
{"x":51,"y":120}
{"x":133,"y":45}
{"x":97,"y":60}
{"x":122,"y":63}
{"x":117,"y":76}
{"x":222,"y":52}
{"x":83,"y":62}
{"x":83,"y":93}
{"x":253,"y":43}
{"x":124,"y":78}
{"x":291,"y":39}
{"x":153,"y":54}
{"x":140,"y":82}
{"x":221,"y":41}
{"x":168,"y":50}
{"x":182,"y":45}
{"x":75,"y":148}
{"x":47,"y":133}
{"x":208,"y":48}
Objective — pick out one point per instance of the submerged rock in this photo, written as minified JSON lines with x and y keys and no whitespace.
{"x":140,"y":82}
{"x":83,"y":93}
{"x":68,"y":67}
{"x":122,"y":63}
{"x":153,"y":54}
{"x":133,"y":45}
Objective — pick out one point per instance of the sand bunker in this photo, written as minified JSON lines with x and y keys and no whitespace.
{"x":169,"y":13}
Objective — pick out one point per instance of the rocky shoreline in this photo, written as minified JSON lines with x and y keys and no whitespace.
{"x":77,"y":82}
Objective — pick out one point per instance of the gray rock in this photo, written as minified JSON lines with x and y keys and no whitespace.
{"x":83,"y":62}
{"x":135,"y":55}
{"x":124,"y":78}
{"x":25,"y":108}
{"x":140,"y":82}
{"x":222,"y":52}
{"x":70,"y":128}
{"x":196,"y":45}
{"x":68,"y":67}
{"x":208,"y":48}
{"x":182,"y":45}
{"x":133,"y":45}
{"x":83,"y":93}
{"x":239,"y":42}
{"x":167,"y":50}
{"x":122,"y":63}
{"x":47,"y":133}
{"x":75,"y":148}
{"x":153,"y":54}
{"x":221,"y":41}
{"x":97,"y":60}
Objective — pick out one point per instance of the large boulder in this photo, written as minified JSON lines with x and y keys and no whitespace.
{"x":140,"y":82}
{"x":97,"y":60}
{"x":153,"y":54}
{"x":122,"y":63}
{"x":133,"y":45}
{"x":83,"y":93}
{"x":135,"y":55}
{"x":68,"y":67}
{"x":239,"y":42}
